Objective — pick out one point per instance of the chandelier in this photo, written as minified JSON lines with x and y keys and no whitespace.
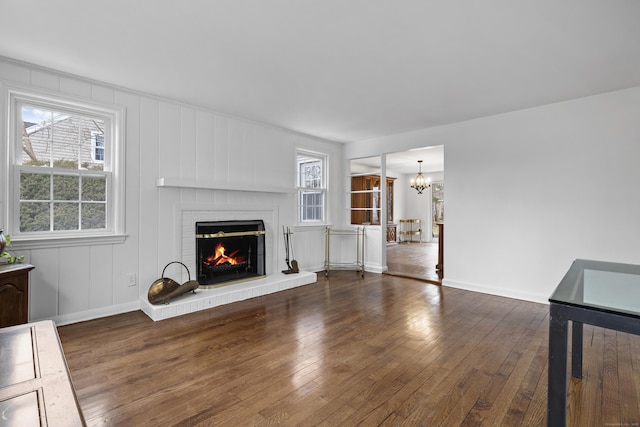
{"x":419,"y":182}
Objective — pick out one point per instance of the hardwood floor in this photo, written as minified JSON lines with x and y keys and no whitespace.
{"x":345,"y":351}
{"x":414,"y":260}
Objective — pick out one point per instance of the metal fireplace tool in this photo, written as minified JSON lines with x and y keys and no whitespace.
{"x":288,"y":247}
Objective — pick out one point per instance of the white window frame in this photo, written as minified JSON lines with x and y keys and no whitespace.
{"x":114,"y":166}
{"x":320,"y":187}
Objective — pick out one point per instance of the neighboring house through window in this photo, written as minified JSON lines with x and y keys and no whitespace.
{"x":67,"y":175}
{"x":97,"y":152}
{"x":311,"y":184}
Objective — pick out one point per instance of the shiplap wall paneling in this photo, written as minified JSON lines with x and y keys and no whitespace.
{"x":149,"y":204}
{"x":106,"y":286}
{"x":125,"y":256}
{"x":222,"y":148}
{"x":169,"y":160}
{"x":74,"y":279}
{"x":43,"y":284}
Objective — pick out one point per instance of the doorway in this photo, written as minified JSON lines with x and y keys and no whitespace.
{"x":416,"y":257}
{"x":420,"y":258}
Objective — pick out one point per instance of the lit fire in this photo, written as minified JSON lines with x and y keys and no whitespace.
{"x":220,"y":257}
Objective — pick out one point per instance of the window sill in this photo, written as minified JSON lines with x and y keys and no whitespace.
{"x":64,"y":242}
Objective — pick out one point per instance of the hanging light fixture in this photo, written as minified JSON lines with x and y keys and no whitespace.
{"x":420,"y":182}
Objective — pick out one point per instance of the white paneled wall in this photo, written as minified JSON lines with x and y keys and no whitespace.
{"x":166,"y":139}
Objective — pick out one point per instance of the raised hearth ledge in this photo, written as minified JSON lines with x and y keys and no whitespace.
{"x":211,"y":185}
{"x":209,"y":298}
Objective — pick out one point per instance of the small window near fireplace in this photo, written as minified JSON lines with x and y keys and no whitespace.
{"x":229,"y":252}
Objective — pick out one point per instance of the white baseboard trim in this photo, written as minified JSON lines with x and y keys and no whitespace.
{"x":367,"y":269}
{"x":82,"y":316}
{"x":508,"y":293}
{"x":375,"y":269}
{"x":316,"y":268}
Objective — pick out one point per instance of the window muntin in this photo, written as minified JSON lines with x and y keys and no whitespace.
{"x":67,"y":177}
{"x":54,"y":200}
{"x":311,"y":183}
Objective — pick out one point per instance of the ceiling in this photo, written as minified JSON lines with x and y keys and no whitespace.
{"x":345,"y":70}
{"x":405,"y":162}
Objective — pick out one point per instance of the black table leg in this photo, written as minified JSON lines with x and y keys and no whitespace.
{"x":576,"y":349}
{"x":557,"y":385}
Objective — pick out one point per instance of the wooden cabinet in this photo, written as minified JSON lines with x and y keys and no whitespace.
{"x":391,"y":233}
{"x":14,"y":294}
{"x":366,"y":202}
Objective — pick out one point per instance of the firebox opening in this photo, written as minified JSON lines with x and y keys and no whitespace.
{"x":229,"y":251}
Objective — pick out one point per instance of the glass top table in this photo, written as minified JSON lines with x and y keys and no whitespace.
{"x":604,"y":286}
{"x":599,"y":293}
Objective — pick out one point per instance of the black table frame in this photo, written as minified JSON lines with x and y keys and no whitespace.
{"x":560,"y":315}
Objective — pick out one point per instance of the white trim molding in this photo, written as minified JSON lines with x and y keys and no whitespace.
{"x":491,"y":290}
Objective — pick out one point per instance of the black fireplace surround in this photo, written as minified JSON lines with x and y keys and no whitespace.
{"x":229,"y":251}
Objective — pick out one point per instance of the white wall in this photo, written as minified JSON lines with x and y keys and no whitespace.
{"x":418,"y":206}
{"x":529,"y":191}
{"x":171,"y":140}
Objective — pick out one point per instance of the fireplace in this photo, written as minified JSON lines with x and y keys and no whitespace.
{"x":229,"y":252}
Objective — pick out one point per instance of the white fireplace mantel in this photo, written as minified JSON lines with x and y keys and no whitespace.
{"x":169,"y":182}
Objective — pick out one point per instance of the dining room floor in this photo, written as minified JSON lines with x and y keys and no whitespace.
{"x":415,"y":260}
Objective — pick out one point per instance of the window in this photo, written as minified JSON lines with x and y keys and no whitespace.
{"x":311,"y":183}
{"x":66,"y":163}
{"x":437,"y":206}
{"x":97,"y":149}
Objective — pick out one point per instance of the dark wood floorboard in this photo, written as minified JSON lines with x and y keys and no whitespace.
{"x":345,"y":351}
{"x":414,"y":260}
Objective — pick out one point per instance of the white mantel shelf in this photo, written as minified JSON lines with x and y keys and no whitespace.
{"x":212,"y":185}
{"x":204,"y":299}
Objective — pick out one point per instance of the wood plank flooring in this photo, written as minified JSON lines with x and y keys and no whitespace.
{"x":345,"y":351}
{"x":414,"y":260}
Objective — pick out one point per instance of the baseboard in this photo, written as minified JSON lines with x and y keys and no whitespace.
{"x":375,"y":269}
{"x":367,"y":268}
{"x":82,"y":316}
{"x":508,"y":293}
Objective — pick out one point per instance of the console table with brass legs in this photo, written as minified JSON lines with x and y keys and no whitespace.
{"x":358,"y":263}
{"x":410,"y":228}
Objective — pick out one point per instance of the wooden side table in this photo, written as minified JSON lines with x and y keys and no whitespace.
{"x":14,"y":294}
{"x":35,"y":384}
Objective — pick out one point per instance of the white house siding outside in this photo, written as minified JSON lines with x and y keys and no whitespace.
{"x":69,"y":138}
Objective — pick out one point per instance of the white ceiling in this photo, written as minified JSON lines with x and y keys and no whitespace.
{"x":405,"y":162}
{"x":345,"y":70}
